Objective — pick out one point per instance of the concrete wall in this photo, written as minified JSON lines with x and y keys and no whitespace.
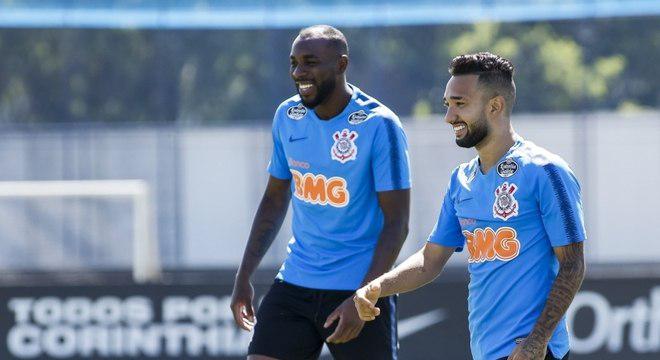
{"x":616,"y":158}
{"x":209,"y":180}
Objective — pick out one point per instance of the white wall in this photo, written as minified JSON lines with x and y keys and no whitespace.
{"x":615,"y":157}
{"x":208,"y":182}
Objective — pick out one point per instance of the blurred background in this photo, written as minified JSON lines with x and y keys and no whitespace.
{"x":134,"y":139}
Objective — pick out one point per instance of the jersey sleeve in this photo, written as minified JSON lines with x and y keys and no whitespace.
{"x":390,"y":162}
{"x":278,"y":166}
{"x":447,"y":230}
{"x":561,"y":205}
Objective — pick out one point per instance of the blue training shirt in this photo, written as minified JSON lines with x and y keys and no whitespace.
{"x":510,"y":219}
{"x":337,"y":166}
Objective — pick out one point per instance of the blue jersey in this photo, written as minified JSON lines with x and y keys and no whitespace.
{"x":337,"y":166}
{"x":510,"y":219}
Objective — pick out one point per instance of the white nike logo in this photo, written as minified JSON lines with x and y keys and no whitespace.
{"x":412,"y":325}
{"x":420,"y":322}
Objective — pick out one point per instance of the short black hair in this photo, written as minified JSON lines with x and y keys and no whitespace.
{"x":495,"y":73}
{"x":327,"y":32}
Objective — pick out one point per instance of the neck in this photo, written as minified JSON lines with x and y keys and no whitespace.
{"x":494,"y":146}
{"x":335,"y":103}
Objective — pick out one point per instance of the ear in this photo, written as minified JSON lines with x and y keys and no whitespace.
{"x":343,"y":63}
{"x":496,"y":105}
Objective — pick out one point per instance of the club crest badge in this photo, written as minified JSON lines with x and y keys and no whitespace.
{"x":507,"y":167}
{"x":297,"y":112}
{"x":505,"y":205}
{"x":344,"y":148}
{"x":357,"y":117}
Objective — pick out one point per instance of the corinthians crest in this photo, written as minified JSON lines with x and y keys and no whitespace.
{"x":505,"y":205}
{"x":344,"y":148}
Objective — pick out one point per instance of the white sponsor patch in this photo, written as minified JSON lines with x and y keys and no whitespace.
{"x":505,"y":205}
{"x":296,"y":112}
{"x":344,"y":148}
{"x":506,"y":168}
{"x":357,"y":117}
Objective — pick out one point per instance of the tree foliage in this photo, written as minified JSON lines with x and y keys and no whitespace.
{"x":202,"y":76}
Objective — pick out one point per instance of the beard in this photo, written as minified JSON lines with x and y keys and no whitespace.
{"x":475,"y":133}
{"x":324,"y":89}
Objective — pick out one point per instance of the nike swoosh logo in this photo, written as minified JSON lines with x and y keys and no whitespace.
{"x":420,"y":322}
{"x":412,"y":325}
{"x":292,"y":139}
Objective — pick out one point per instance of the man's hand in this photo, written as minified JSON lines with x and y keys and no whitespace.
{"x":241,"y":304}
{"x":267,"y":222}
{"x":349,"y":326}
{"x":529,"y":349}
{"x":365,"y":301}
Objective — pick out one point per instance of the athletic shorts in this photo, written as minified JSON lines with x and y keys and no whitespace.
{"x":548,"y":356}
{"x":290,"y":326}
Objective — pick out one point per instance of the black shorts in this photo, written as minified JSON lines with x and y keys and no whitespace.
{"x":548,"y":356}
{"x":290,"y":326}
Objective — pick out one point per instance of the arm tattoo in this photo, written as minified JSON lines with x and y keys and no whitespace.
{"x":267,"y":223}
{"x":262,"y":238}
{"x":564,"y":288}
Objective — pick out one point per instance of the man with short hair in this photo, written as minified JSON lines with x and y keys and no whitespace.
{"x":343,"y":155}
{"x":517,"y":209}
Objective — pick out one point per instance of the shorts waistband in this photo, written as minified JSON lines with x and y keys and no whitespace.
{"x":289,"y":285}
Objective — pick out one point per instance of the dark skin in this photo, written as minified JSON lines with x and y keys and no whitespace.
{"x":316,"y":62}
{"x":267,"y":223}
{"x":395,"y":205}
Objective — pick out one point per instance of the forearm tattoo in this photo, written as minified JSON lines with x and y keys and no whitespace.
{"x":267,"y":223}
{"x":564,"y":288}
{"x":263,"y":236}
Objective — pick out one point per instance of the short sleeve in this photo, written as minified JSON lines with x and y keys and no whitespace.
{"x":447,"y":230}
{"x":390,"y":163}
{"x":560,"y":203}
{"x":278,"y":166}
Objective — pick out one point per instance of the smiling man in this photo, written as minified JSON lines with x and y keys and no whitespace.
{"x":516,"y":207}
{"x":343,"y":156}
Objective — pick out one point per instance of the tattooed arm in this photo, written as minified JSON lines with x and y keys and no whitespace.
{"x":564,"y":288}
{"x":267,"y":223}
